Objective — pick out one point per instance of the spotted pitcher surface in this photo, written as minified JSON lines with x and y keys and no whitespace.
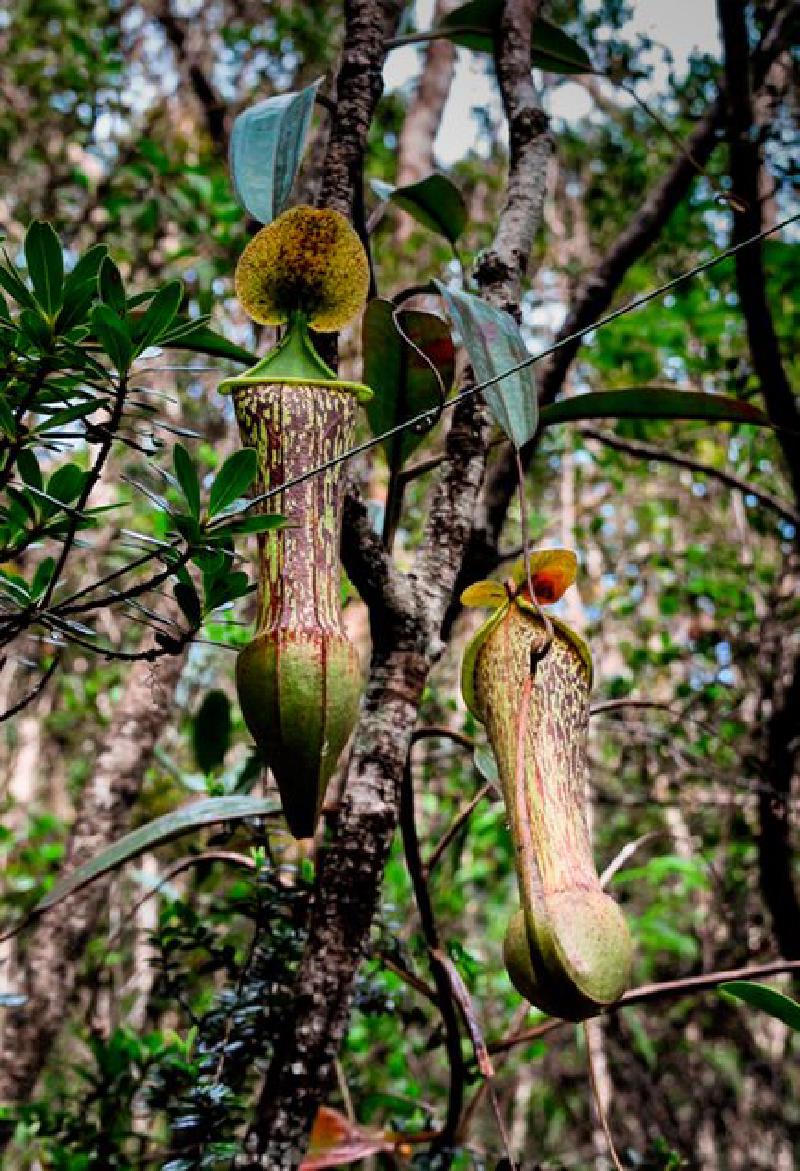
{"x":299,"y":680}
{"x":568,"y":950}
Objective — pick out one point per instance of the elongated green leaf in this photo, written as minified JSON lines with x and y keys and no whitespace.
{"x":86,"y":267}
{"x":7,"y":424}
{"x":494,"y":344}
{"x":110,"y":286}
{"x":113,"y":335}
{"x":41,"y":578}
{"x":767,"y":999}
{"x":36,"y":328}
{"x":155,"y":833}
{"x":159,"y":315}
{"x":435,"y":202}
{"x":68,"y":415}
{"x":653,"y":403}
{"x":267,"y":143}
{"x":45,"y":265}
{"x":211,"y":731}
{"x":80,"y":288}
{"x":233,"y":479}
{"x":189,"y":602}
{"x":474,"y":25}
{"x":403,"y":381}
{"x":484,"y":761}
{"x":14,"y":285}
{"x":243,"y":525}
{"x":187,"y":477}
{"x":28,"y":468}
{"x":202,"y":340}
{"x":66,"y":483}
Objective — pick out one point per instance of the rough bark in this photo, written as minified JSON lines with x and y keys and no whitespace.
{"x":406,"y":615}
{"x":51,"y":953}
{"x":780,"y":699}
{"x":359,"y":85}
{"x":779,"y":706}
{"x":745,"y":171}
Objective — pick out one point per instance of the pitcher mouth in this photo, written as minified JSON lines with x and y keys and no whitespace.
{"x":252,"y":377}
{"x":294,"y":361}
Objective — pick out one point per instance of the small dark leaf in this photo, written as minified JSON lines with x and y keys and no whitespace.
{"x":186,"y":474}
{"x":233,"y":479}
{"x":7,"y":423}
{"x":435,"y":202}
{"x":35,"y":328}
{"x":45,"y":265}
{"x":241,"y":525}
{"x":111,"y":288}
{"x":41,"y":578}
{"x":201,"y":340}
{"x":226,"y":588}
{"x":189,"y":528}
{"x":113,"y":335}
{"x":211,"y":731}
{"x":267,"y":142}
{"x":28,"y":468}
{"x":66,"y":483}
{"x":14,"y":285}
{"x":85,"y":270}
{"x":189,"y":602}
{"x":15,"y":587}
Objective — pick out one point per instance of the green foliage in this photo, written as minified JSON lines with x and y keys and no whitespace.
{"x":474,"y":25}
{"x":681,"y":573}
{"x":408,"y":379}
{"x":435,"y":202}
{"x":767,"y":999}
{"x":211,"y":731}
{"x":267,"y":142}
{"x":494,"y":344}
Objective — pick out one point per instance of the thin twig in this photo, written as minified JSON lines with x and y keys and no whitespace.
{"x":668,"y":990}
{"x":601,"y":1113}
{"x":35,"y":691}
{"x":446,"y":1000}
{"x":455,"y":825}
{"x":652,"y":451}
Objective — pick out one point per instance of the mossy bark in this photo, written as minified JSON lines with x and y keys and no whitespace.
{"x":299,"y":680}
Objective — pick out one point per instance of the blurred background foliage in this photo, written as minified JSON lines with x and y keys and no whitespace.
{"x":113,"y":128}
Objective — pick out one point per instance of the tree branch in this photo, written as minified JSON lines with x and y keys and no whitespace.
{"x":595,"y":293}
{"x":213,"y":107}
{"x":751,"y":281}
{"x":646,"y":993}
{"x":781,"y":688}
{"x":406,"y":644}
{"x":652,"y":451}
